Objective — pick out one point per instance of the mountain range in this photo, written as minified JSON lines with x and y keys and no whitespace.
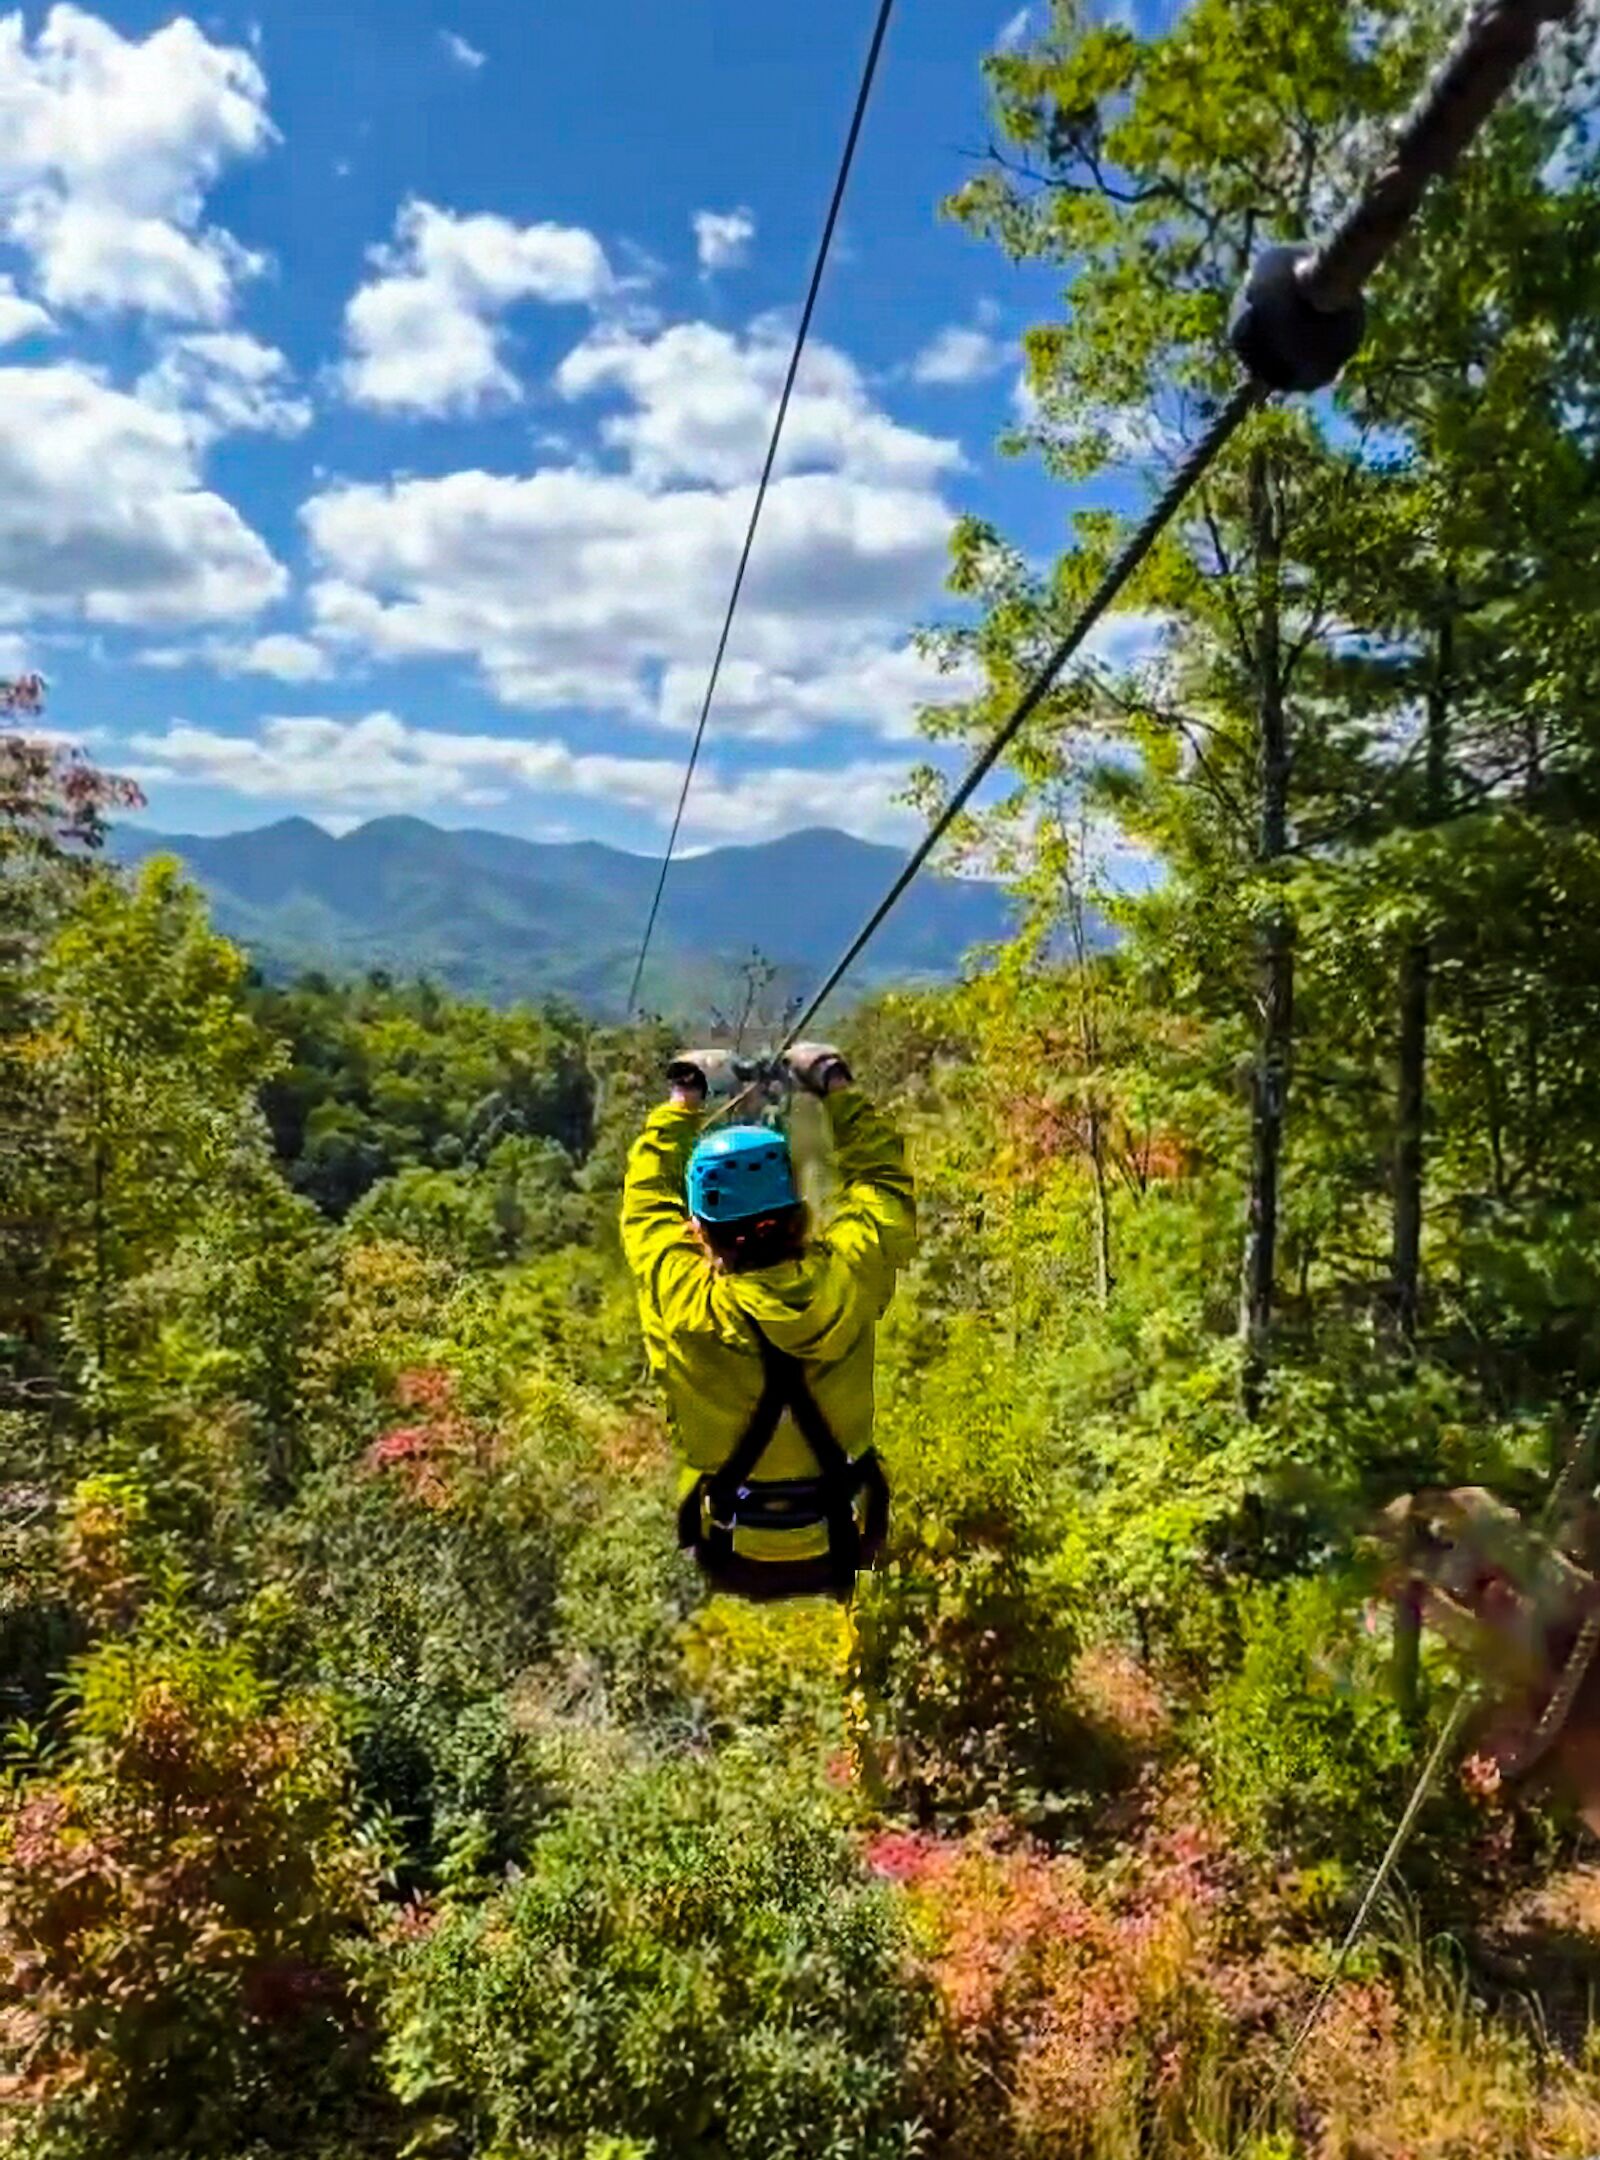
{"x":500,"y":918}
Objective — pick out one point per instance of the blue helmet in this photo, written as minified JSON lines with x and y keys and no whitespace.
{"x":741,"y":1171}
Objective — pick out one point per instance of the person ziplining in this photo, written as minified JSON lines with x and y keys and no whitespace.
{"x":761,"y":1324}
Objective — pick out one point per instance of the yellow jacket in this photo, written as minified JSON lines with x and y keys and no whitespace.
{"x":823,"y":1308}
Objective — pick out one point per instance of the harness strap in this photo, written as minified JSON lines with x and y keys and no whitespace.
{"x":708,"y":1515}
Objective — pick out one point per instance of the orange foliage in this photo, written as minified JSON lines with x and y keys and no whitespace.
{"x":1081,"y":1999}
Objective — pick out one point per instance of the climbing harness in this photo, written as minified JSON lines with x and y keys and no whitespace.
{"x":725,"y":1501}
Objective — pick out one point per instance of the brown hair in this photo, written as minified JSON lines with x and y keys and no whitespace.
{"x":759,"y":1241}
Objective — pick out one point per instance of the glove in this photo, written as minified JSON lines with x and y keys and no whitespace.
{"x":817,"y":1067}
{"x":717,"y":1071}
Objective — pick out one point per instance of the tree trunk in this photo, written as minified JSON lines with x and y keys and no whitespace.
{"x":1275,"y":948}
{"x":1416,"y":966}
{"x":1089,"y":1051}
{"x":1416,"y":975}
{"x":1102,"y":1210}
{"x":1407,"y":1669}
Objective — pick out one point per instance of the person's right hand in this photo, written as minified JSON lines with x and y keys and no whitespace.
{"x":703,"y":1076}
{"x":817,"y":1067}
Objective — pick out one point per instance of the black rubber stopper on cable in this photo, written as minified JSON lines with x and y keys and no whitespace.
{"x":1283,"y":339}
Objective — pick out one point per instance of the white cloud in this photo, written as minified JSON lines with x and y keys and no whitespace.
{"x":380,"y":762}
{"x":880,"y":688}
{"x":959,"y":354}
{"x":463,"y":54}
{"x":21,"y":318}
{"x":1132,"y":638}
{"x":107,"y":148}
{"x":226,"y":383}
{"x":425,"y":339}
{"x":722,"y":238}
{"x":701,"y":403}
{"x":281,"y":654}
{"x":573,"y":588}
{"x":1015,"y":31}
{"x":103,"y":512}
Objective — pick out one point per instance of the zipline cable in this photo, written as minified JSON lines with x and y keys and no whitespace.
{"x":869,"y":72}
{"x":1497,"y":39}
{"x":1194,"y":467}
{"x":1442,"y":1748}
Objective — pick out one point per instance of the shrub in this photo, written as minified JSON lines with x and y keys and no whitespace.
{"x":1082,"y":2016}
{"x":501,"y":1526}
{"x":39,"y":1627}
{"x":1305,"y":1745}
{"x":781,"y":1666}
{"x":695,"y":1961}
{"x":967,"y":1670}
{"x":175,"y":1899}
{"x":625,"y":1591}
{"x":1412,"y":2065}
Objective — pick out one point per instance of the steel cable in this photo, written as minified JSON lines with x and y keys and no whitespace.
{"x":869,"y":72}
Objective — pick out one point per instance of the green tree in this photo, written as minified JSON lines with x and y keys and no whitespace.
{"x":1308,"y":623}
{"x":53,"y":811}
{"x":153,"y":1062}
{"x":1153,"y":170}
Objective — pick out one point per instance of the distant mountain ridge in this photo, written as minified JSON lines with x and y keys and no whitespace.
{"x":501,"y":918}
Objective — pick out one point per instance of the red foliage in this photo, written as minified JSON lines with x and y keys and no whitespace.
{"x":22,"y":693}
{"x":177,"y":1896}
{"x":426,"y":1387}
{"x":407,"y":1443}
{"x":911,"y":1856}
{"x":1084,"y":2000}
{"x":428,"y":1454}
{"x":1043,"y":1129}
{"x":52,"y":800}
{"x":414,"y":1921}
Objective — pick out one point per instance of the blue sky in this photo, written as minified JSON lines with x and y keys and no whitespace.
{"x":386,"y":384}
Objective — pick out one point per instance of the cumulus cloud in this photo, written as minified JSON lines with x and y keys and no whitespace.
{"x":108,"y":146}
{"x":227,"y":383}
{"x":880,"y":689}
{"x":722,"y":238}
{"x":958,"y":354}
{"x":425,"y":338}
{"x":380,"y":762}
{"x":279,"y":654}
{"x":700,"y":402}
{"x":104,"y":514}
{"x":464,"y":55}
{"x":573,"y":587}
{"x":20,"y":318}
